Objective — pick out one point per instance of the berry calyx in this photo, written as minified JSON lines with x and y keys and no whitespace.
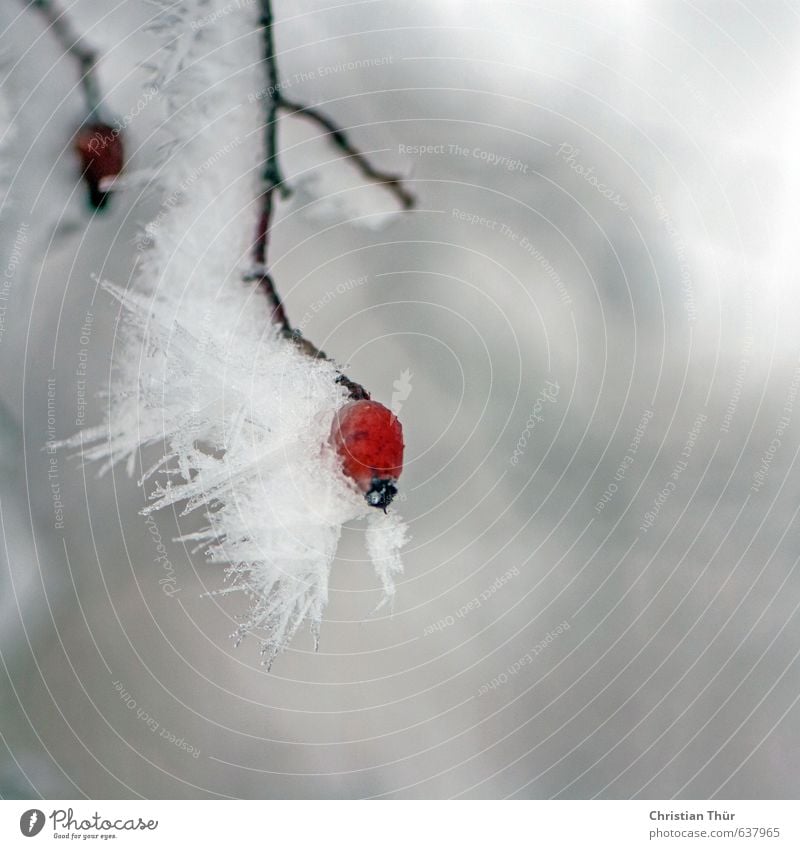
{"x":368,"y":438}
{"x":100,"y":149}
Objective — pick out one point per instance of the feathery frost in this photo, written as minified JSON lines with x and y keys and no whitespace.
{"x":240,"y":416}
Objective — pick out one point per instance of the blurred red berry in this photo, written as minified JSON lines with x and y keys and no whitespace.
{"x":101,"y":152}
{"x":369,"y":440}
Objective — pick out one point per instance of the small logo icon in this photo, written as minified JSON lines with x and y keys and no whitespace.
{"x":31,"y":822}
{"x":402,"y":389}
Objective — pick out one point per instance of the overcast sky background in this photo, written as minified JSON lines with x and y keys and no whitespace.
{"x":608,"y":204}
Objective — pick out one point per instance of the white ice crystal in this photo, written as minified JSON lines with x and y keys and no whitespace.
{"x":240,"y":416}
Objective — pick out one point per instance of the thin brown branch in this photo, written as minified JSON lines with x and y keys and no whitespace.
{"x":392,"y":182}
{"x":272,"y":181}
{"x":271,"y":176}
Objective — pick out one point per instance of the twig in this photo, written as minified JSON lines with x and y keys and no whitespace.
{"x":272,"y":176}
{"x":392,"y":182}
{"x":273,"y":181}
{"x":73,"y":45}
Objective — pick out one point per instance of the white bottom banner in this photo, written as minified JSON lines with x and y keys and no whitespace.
{"x":404,"y":824}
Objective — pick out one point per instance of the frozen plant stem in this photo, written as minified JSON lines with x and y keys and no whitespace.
{"x":273,"y":181}
{"x":277,"y":471}
{"x":271,"y":175}
{"x":74,"y":46}
{"x":392,"y":182}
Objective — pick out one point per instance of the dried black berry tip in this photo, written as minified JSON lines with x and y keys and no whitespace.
{"x":98,"y":199}
{"x":381,"y":493}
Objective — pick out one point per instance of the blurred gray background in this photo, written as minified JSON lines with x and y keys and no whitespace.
{"x":601,"y":594}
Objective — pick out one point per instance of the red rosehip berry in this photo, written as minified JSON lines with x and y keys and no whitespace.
{"x":369,"y":440}
{"x":101,"y":152}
